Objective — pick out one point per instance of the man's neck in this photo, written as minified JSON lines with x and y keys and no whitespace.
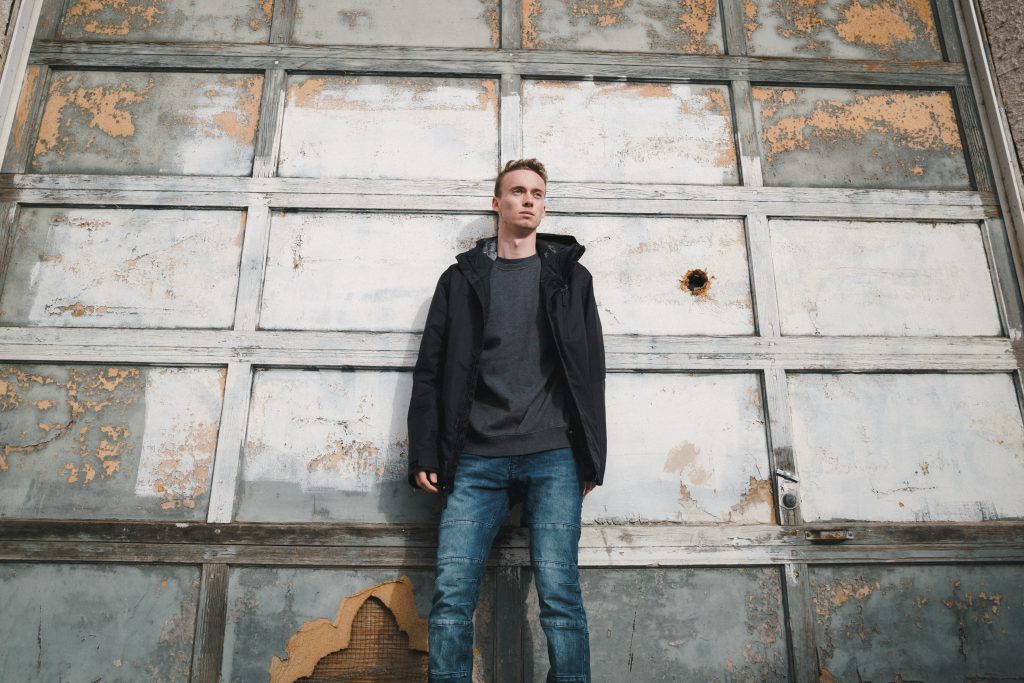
{"x":513,"y":246}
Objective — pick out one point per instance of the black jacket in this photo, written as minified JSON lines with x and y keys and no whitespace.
{"x":445,"y":376}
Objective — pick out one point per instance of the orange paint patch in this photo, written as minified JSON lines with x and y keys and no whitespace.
{"x":183,"y":473}
{"x":757,"y":504}
{"x":750,"y":24}
{"x":879,"y":25}
{"x":114,"y":17}
{"x":105,"y":106}
{"x":493,"y":19}
{"x":76,"y":309}
{"x":25,"y":100}
{"x":531,"y":10}
{"x":917,"y":121}
{"x":696,"y":19}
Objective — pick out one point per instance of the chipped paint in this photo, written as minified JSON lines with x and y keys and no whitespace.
{"x":84,"y":267}
{"x":392,"y":127}
{"x":631,"y":132}
{"x":94,"y":429}
{"x":676,"y":26}
{"x":107,"y":108}
{"x":245,"y":21}
{"x":238,"y":119}
{"x":860,"y":137}
{"x":846,"y":29}
{"x":25,"y":101}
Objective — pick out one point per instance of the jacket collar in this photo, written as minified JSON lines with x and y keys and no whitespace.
{"x":558,"y":255}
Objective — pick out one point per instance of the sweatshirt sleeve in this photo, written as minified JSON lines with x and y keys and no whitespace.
{"x":424,"y":406}
{"x":596,"y":364}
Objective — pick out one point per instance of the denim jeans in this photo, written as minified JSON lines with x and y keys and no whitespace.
{"x":551,"y":489}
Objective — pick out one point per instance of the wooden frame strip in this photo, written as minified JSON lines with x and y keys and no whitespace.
{"x":1004,"y":279}
{"x":268,"y":131}
{"x":735,"y":33}
{"x":211,"y":620}
{"x":797,"y":607}
{"x":230,"y":438}
{"x":511,"y":118}
{"x":282,"y":22}
{"x":253,"y":267}
{"x":13,"y":74}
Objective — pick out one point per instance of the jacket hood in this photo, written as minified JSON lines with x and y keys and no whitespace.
{"x":558,"y":254}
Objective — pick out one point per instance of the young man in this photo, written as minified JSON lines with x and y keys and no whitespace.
{"x":508,"y":405}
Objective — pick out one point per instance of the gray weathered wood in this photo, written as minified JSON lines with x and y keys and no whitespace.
{"x":746,"y":135}
{"x":547,"y":63}
{"x":8,"y":219}
{"x":50,"y":19}
{"x":732,"y":23}
{"x":282,"y":22}
{"x":511,"y":24}
{"x":16,"y":56}
{"x":27,"y":117}
{"x":762,"y":271}
{"x":227,"y":460}
{"x":511,"y":117}
{"x":947,"y":24}
{"x":398,"y":350}
{"x":253,"y":267}
{"x":977,"y":155}
{"x":1008,"y":295}
{"x":780,"y":444}
{"x":208,"y":645}
{"x":268,"y":133}
{"x":800,"y":622}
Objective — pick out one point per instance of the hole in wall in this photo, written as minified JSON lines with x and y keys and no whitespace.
{"x":697,"y":282}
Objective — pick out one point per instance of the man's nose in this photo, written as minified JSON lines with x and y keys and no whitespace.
{"x":528,"y":200}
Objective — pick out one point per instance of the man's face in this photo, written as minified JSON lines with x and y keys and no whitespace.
{"x":521,"y":204}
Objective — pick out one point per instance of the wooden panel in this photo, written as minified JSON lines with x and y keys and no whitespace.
{"x":908,"y":447}
{"x":423,"y":23}
{"x":933,"y":623}
{"x":701,"y":455}
{"x":97,"y":442}
{"x":380,"y":127}
{"x":123,"y":268}
{"x":20,"y":142}
{"x":359,"y":269}
{"x":227,"y":21}
{"x":329,"y":445}
{"x":842,"y":29}
{"x":676,"y":625}
{"x":630,"y":132}
{"x":663,"y":275}
{"x":830,"y":137}
{"x":892,"y":279}
{"x":157,"y":123}
{"x":686,"y":27}
{"x":267,"y":606}
{"x":79,"y":622}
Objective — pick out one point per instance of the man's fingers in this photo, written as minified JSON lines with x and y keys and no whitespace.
{"x":588,"y":487}
{"x":427,"y":481}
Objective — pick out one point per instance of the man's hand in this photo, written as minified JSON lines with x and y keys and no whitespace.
{"x":588,"y":487}
{"x":427,"y":481}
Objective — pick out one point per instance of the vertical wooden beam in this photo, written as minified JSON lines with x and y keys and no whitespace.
{"x":749,"y":150}
{"x":230,"y":439}
{"x":509,"y":613}
{"x":974,"y":137}
{"x":1004,"y":277}
{"x":50,"y":19}
{"x":13,"y":74}
{"x":511,"y":24}
{"x":949,"y":36}
{"x":780,"y":446}
{"x":8,"y":219}
{"x":511,"y":117}
{"x":803,"y":657}
{"x":27,"y":116}
{"x":732,"y":24}
{"x":208,"y":644}
{"x":253,"y":267}
{"x":268,"y":133}
{"x":282,"y":21}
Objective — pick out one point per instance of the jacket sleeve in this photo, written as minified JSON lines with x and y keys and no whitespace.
{"x":596,"y":364}
{"x":425,"y":404}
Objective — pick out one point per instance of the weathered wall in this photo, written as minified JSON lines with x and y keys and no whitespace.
{"x":6,"y":15}
{"x":1004,"y":22}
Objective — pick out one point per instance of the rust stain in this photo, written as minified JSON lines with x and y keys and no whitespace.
{"x":680,"y":456}
{"x":985,"y":607}
{"x":306,"y":94}
{"x":756,"y":501}
{"x":825,"y":676}
{"x":135,"y":15}
{"x":268,"y":9}
{"x":695,"y":23}
{"x":763,"y":605}
{"x":105,"y":106}
{"x":716,"y":102}
{"x":352,"y":17}
{"x":28,"y":92}
{"x":319,"y":638}
{"x":239,"y":122}
{"x":924,"y":468}
{"x":696,"y":282}
{"x":184,"y":469}
{"x":531,"y":10}
{"x":76,"y":309}
{"x":916,"y":121}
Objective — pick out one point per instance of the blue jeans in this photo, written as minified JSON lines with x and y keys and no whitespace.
{"x":551,"y":488}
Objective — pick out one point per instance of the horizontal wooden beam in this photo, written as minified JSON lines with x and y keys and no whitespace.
{"x":474,"y":197}
{"x":487,"y":62}
{"x":413,"y":546}
{"x":397,"y":350}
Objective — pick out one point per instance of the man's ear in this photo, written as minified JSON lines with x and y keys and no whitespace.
{"x":494,"y":203}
